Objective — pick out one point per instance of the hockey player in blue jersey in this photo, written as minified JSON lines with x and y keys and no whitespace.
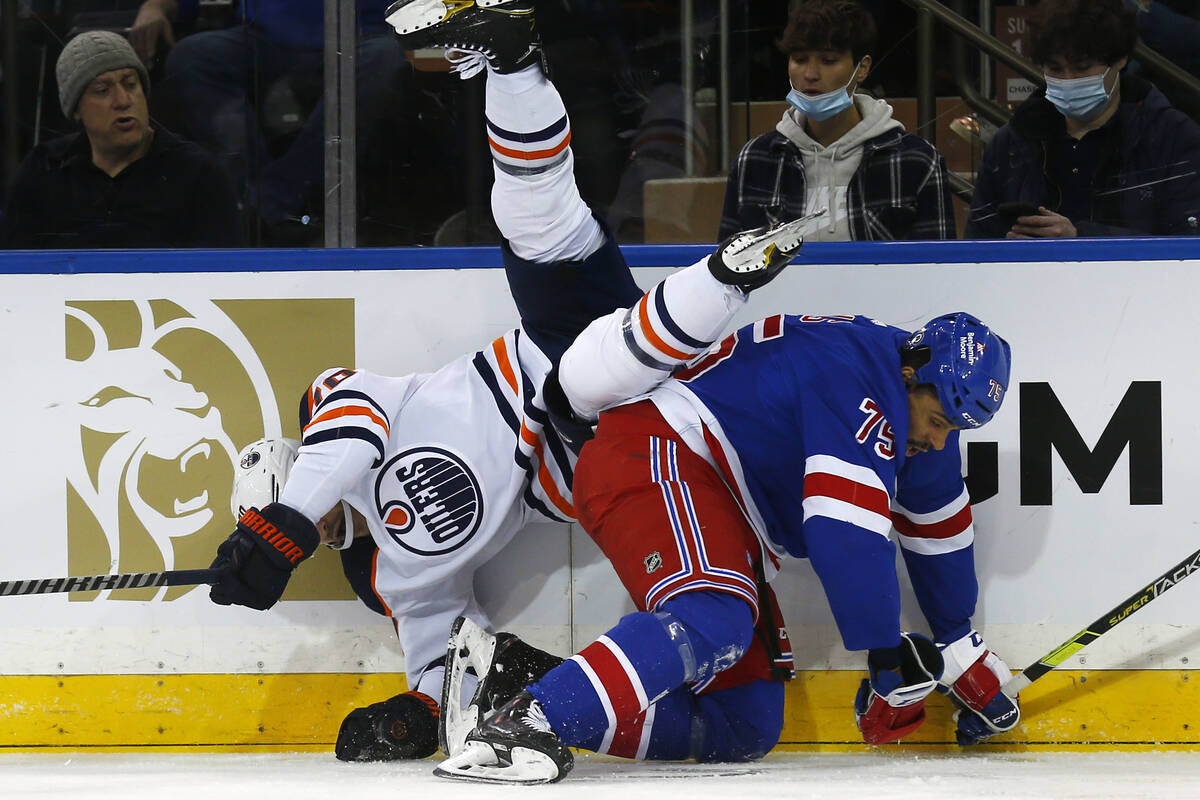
{"x":809,"y":436}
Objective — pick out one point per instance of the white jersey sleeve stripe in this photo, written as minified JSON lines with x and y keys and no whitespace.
{"x":833,"y":465}
{"x":940,"y":515}
{"x":842,"y":511}
{"x":937,"y":547}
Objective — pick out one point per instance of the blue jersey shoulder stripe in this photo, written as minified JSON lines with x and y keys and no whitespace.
{"x":553,"y":442}
{"x":486,"y":372}
{"x":530,"y":498}
{"x":348,"y":432}
{"x":353,"y":394}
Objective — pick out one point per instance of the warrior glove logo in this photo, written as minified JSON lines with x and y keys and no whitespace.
{"x":429,"y":500}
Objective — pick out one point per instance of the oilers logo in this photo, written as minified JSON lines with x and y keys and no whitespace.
{"x":429,"y":500}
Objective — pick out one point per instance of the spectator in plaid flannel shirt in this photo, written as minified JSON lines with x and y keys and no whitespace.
{"x":837,"y":151}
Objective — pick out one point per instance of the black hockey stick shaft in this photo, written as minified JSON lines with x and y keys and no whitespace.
{"x":124,"y":580}
{"x":1102,"y":625}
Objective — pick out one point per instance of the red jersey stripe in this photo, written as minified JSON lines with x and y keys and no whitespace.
{"x":615,"y":682}
{"x":951,"y":526}
{"x":870,"y":498}
{"x":627,"y":738}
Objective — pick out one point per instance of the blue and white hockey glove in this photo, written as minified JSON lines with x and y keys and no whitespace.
{"x":973,"y":678}
{"x":890,"y":704}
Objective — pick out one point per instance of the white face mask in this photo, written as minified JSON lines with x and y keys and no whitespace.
{"x":1079,"y":98}
{"x":823,"y":106}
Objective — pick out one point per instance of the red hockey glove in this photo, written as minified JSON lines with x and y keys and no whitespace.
{"x":973,"y":678}
{"x":891,"y":705}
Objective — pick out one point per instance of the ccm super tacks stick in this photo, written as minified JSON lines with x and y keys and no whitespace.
{"x":1104,"y":624}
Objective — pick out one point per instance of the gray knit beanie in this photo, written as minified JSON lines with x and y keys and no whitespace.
{"x":88,"y":55}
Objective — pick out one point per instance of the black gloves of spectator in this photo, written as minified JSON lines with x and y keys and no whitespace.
{"x":260,"y":555}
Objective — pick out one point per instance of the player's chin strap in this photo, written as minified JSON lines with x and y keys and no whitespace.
{"x":347,"y":530}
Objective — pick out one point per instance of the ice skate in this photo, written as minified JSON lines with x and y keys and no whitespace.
{"x":516,"y":745}
{"x":502,"y":31}
{"x":751,"y":259}
{"x":505,"y":664}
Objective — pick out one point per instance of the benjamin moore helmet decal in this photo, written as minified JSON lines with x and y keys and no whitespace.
{"x":429,"y":500}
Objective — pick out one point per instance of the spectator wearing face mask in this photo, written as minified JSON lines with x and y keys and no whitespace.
{"x":1099,"y":152}
{"x":837,"y":156}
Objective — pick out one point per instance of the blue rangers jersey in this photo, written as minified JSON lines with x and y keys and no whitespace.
{"x":806,"y":417}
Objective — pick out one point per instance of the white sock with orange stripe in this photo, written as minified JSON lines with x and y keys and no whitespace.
{"x":629,"y":352}
{"x":535,"y":201}
{"x":683,"y":315}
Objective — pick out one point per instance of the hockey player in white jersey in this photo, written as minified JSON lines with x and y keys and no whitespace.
{"x":421,"y":479}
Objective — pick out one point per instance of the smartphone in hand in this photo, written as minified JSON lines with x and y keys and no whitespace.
{"x":1010,"y":211}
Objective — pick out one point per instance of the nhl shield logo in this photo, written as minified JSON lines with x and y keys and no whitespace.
{"x":653,"y":562}
{"x":429,"y":500}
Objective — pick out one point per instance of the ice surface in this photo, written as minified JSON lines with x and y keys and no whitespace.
{"x":895,"y":775}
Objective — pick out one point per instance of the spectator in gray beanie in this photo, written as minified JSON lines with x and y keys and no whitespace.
{"x":122,"y":181}
{"x":103,"y":84}
{"x":89,"y":55}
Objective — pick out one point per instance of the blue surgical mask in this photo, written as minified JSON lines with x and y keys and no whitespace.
{"x":1079,"y":98}
{"x":823,"y":106}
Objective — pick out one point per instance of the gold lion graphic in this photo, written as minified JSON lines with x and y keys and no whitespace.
{"x":151,"y":482}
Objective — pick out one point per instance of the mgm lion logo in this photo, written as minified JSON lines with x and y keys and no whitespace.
{"x":164,"y":393}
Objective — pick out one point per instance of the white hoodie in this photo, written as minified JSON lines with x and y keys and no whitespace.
{"x":828,"y":170}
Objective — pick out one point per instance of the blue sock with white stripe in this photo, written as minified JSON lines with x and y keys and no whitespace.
{"x":641,"y":660}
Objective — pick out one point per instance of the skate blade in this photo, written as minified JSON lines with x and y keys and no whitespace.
{"x":410,"y":16}
{"x":790,"y":235}
{"x":469,"y":646}
{"x":479,"y":763}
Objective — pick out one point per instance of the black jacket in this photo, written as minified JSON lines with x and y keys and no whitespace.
{"x":177,"y":195}
{"x":1149,"y":184}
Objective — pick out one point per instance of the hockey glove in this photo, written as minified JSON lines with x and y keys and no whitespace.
{"x":890,"y":705}
{"x":406,"y":726}
{"x":258,"y":557}
{"x":974,"y":677}
{"x":751,"y":259}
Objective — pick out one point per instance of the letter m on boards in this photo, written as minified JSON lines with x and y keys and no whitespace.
{"x":1136,"y":424}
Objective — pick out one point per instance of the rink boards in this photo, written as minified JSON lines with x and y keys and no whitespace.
{"x":133,"y":378}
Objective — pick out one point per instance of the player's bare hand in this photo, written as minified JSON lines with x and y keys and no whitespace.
{"x":151,"y":34}
{"x":1043,"y":225}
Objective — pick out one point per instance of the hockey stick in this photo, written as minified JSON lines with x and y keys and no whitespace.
{"x":1101,"y":626}
{"x":125,"y":580}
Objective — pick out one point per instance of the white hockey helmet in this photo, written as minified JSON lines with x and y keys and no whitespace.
{"x":262,"y":469}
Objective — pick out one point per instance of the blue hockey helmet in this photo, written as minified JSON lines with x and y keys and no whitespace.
{"x":968,"y":366}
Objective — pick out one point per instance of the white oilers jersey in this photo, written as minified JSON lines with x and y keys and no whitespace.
{"x":446,"y":467}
